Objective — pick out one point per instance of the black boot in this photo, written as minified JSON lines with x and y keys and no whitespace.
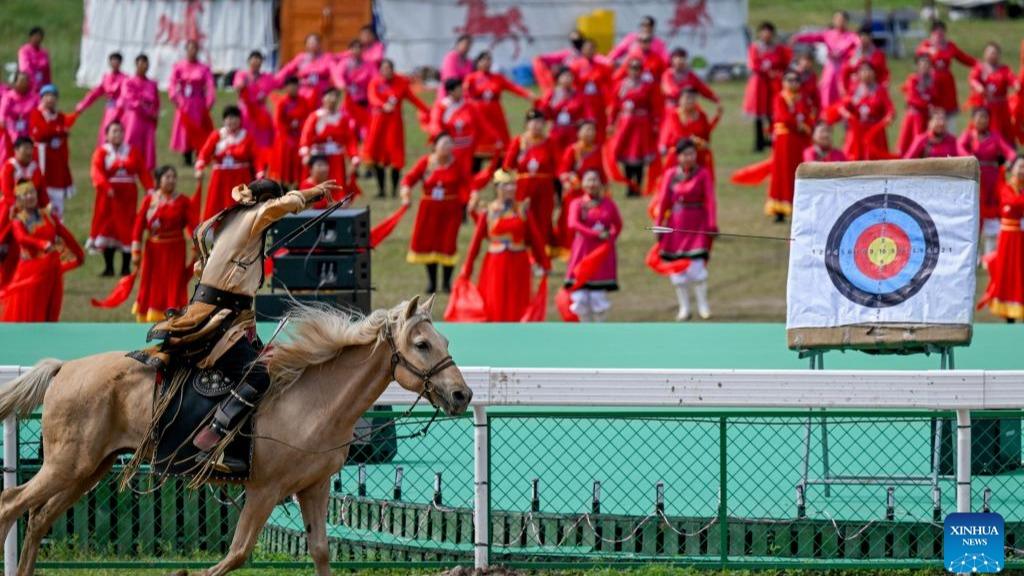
{"x":378,"y":172}
{"x":446,"y":278}
{"x":126,"y":263}
{"x":431,"y":278}
{"x":187,"y":158}
{"x":108,"y":262}
{"x":396,"y":179}
{"x":230,"y":413}
{"x":760,"y":141}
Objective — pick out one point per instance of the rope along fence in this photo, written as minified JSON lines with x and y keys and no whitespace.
{"x":544,"y":485}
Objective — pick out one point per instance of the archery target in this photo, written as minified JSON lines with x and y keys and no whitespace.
{"x":882,"y":250}
{"x":877,"y":248}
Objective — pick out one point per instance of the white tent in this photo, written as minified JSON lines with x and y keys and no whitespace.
{"x":227,"y":32}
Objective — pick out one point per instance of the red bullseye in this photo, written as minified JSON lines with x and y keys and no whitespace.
{"x":881,"y":251}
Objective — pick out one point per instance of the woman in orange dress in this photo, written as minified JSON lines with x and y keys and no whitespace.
{"x":1005,"y":293}
{"x":768,"y":60}
{"x":512,"y":239}
{"x":791,"y":133}
{"x":385,"y":140}
{"x":633,"y":111}
{"x":48,"y":250}
{"x":436,"y":231}
{"x":942,"y":53}
{"x":532,"y":158}
{"x":231,"y":153}
{"x":116,"y":167}
{"x":164,"y":220}
{"x":688,"y":120}
{"x":484,"y":89}
{"x":920,"y":91}
{"x":991,"y":81}
{"x":290,"y":114}
{"x":868,"y":110}
{"x":564,"y":108}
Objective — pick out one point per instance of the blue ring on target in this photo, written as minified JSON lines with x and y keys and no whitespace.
{"x":853,"y":272}
{"x":888,"y":209}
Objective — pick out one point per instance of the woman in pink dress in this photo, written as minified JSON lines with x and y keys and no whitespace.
{"x":686,"y":201}
{"x":373,"y":48}
{"x":138,"y":107}
{"x":840,"y":44}
{"x":16,"y":106}
{"x":594,"y":220}
{"x":312,"y":68}
{"x":456,"y":64}
{"x":993,"y":152}
{"x":34,"y":60}
{"x":352,"y":73}
{"x":253,"y":88}
{"x":109,"y":88}
{"x":193,"y":93}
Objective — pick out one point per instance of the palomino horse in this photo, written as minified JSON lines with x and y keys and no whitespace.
{"x":329,"y":372}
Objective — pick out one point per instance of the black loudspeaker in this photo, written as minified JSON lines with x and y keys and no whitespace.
{"x":322,"y":271}
{"x":272,"y":307}
{"x":342,"y":230}
{"x":995,"y":445}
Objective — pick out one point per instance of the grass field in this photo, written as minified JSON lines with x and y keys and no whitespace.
{"x":748,"y":278}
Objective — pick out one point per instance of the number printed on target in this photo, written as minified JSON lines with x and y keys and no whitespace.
{"x":882,"y":250}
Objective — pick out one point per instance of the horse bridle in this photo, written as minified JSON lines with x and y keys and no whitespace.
{"x":425,"y":376}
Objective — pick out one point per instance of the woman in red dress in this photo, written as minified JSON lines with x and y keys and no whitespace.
{"x":1005,"y":293}
{"x":993,"y":152}
{"x":920,"y":92}
{"x":329,"y":132}
{"x":563,"y":107}
{"x":868,"y":110}
{"x":866,"y":53}
{"x":991,"y":81}
{"x":635,"y":126}
{"x":116,"y":167}
{"x":436,"y":231}
{"x":385,"y":140}
{"x":687,"y":202}
{"x":936,"y":142}
{"x":942,"y":53}
{"x":165,"y":219}
{"x":290,"y":114}
{"x":768,"y":61}
{"x":791,"y":133}
{"x":532,"y":158}
{"x":594,"y":81}
{"x":460,"y":119}
{"x":689,"y":121}
{"x":484,"y":89}
{"x":48,"y":250}
{"x":512,"y":239}
{"x":582,"y":157}
{"x":232,"y":155}
{"x":49,"y":129}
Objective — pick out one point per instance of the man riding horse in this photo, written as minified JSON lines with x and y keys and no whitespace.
{"x":217,"y":330}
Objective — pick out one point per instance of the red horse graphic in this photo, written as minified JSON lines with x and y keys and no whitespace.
{"x":692,"y":14}
{"x":174,"y":33}
{"x":507,"y":25}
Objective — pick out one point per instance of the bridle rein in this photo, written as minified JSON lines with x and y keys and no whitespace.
{"x":425,"y":376}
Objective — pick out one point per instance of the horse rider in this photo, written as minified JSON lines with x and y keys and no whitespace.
{"x":218,"y":327}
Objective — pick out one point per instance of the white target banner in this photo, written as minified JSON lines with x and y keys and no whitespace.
{"x":420,"y":32}
{"x":883,"y":249}
{"x":226,"y":31}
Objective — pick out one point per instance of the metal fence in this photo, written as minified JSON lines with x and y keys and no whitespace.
{"x":822,"y":485}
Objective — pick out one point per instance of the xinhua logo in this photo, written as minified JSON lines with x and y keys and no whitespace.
{"x":973,"y":542}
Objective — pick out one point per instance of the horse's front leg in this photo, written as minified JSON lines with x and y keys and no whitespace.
{"x":259,"y":503}
{"x":313,"y":503}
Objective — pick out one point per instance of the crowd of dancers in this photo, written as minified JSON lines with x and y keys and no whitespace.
{"x":638,"y":115}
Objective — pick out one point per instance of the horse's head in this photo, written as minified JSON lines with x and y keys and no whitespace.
{"x":421,"y":363}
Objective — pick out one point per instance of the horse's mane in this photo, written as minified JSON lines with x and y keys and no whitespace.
{"x":318,"y":333}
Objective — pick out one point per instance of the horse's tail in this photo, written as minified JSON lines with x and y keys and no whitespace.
{"x":23,"y":394}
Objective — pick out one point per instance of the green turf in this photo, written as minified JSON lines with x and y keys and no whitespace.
{"x":747,"y":280}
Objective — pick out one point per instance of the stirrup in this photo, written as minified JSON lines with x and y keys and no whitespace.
{"x":223,"y":464}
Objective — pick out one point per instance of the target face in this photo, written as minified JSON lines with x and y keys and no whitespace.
{"x":882,"y":250}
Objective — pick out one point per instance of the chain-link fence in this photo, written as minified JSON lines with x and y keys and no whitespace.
{"x":771,"y":488}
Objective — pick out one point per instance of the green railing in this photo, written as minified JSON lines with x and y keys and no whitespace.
{"x":737,"y":488}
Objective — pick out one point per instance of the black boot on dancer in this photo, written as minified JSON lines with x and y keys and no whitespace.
{"x":396,"y":181}
{"x":187,"y":157}
{"x":126,"y":263}
{"x":431,"y":278}
{"x":108,"y":262}
{"x":446,"y":278}
{"x":378,"y":173}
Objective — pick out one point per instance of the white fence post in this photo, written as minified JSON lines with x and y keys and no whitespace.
{"x":481,"y":488}
{"x":10,"y":481}
{"x":963,"y":460}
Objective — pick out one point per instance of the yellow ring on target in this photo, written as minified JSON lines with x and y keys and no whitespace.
{"x":882,"y":251}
